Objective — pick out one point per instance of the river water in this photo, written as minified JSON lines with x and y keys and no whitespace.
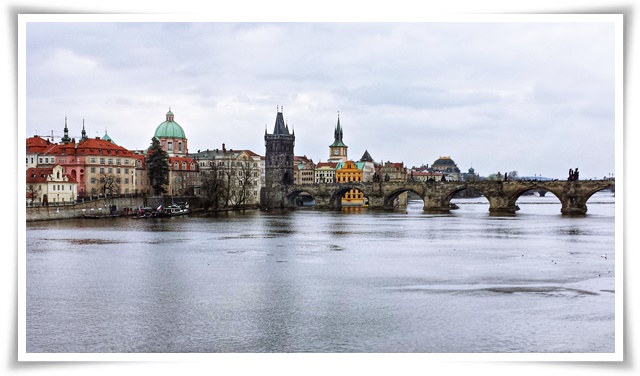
{"x":324,"y":281}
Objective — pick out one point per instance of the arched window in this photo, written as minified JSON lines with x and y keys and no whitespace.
{"x":170,"y":145}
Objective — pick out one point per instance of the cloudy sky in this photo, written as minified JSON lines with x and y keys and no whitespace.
{"x":534,"y":97}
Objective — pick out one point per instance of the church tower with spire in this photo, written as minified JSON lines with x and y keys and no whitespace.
{"x":65,"y":139}
{"x":84,"y":132}
{"x":278,"y":163}
{"x":338,"y":150}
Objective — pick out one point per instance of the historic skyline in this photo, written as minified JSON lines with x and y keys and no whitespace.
{"x":533,"y":97}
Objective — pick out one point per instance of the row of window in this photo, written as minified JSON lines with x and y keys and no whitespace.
{"x":229,"y":164}
{"x":101,"y":180}
{"x":109,"y":170}
{"x":176,"y":166}
{"x":118,"y":161}
{"x":96,"y":191}
{"x":341,"y":179}
{"x":52,"y":160}
{"x":60,"y":187}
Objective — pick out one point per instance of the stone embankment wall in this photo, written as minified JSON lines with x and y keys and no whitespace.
{"x":101,"y":207}
{"x":46,"y":213}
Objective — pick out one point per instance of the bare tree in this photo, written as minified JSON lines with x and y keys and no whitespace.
{"x":110,"y":183}
{"x":32,"y":190}
{"x":246,"y":179}
{"x":214,"y":188}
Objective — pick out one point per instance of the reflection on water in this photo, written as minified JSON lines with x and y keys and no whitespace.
{"x":327,"y":281}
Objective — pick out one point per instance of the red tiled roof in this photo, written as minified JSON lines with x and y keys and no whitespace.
{"x":91,"y":146}
{"x":40,"y":175}
{"x":37,"y":144}
{"x":180,"y":160}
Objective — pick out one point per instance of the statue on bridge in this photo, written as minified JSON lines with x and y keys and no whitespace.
{"x":573,"y":175}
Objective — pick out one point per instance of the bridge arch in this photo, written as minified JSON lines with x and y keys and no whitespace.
{"x":335,"y":201}
{"x":291,"y":198}
{"x":514,"y":196}
{"x":453,"y":192}
{"x":391,"y":197}
{"x":590,"y":193}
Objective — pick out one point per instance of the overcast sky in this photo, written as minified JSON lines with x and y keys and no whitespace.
{"x":534,"y":97}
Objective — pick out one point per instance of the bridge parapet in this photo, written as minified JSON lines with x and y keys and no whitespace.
{"x":502,"y":195}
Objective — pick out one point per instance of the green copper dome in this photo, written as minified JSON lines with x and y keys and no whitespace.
{"x":169,"y":128}
{"x":107,"y":138}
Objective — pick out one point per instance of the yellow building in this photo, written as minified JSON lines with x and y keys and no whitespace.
{"x":346,"y":172}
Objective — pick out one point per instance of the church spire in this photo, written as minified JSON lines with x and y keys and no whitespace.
{"x":66,"y":138}
{"x":338,"y":134}
{"x":84,"y":133}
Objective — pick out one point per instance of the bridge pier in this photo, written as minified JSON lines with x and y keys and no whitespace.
{"x":573,"y":202}
{"x":573,"y":206}
{"x":434,"y":205}
{"x":501,"y":205}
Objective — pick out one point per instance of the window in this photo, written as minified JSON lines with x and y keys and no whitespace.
{"x":117,"y":171}
{"x":110,"y":161}
{"x":170,"y":145}
{"x":101,"y":160}
{"x":93,"y":160}
{"x":93,"y":170}
{"x":93,"y":180}
{"x":126,"y":171}
{"x":102,"y":170}
{"x":118,"y":161}
{"x":110,"y":170}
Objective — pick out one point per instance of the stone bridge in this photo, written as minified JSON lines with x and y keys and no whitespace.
{"x":437,"y":195}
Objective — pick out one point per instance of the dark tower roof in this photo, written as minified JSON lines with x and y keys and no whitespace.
{"x":366,"y":157}
{"x":280,"y":127}
{"x":84,"y":133}
{"x":66,"y":138}
{"x":337,"y":135}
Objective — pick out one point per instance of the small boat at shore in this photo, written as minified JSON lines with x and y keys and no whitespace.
{"x":175,"y":210}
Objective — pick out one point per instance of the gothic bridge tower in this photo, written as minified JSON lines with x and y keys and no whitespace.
{"x":278,"y":163}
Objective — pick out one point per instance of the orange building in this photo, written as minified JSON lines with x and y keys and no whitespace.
{"x":347,"y":172}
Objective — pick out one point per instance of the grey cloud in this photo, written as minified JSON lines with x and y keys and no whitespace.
{"x":416,"y":96}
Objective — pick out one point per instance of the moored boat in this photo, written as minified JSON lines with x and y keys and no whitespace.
{"x":176,"y":210}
